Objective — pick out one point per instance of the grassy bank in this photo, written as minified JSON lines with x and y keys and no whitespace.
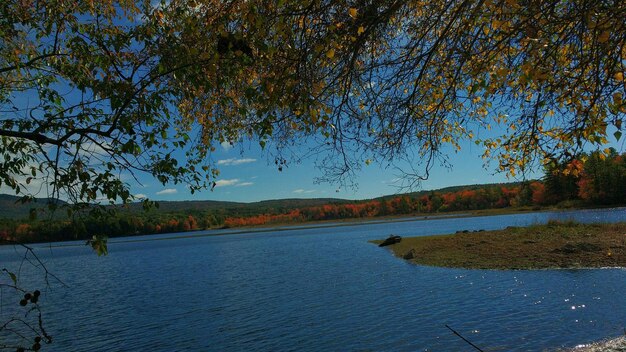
{"x":555,"y":245}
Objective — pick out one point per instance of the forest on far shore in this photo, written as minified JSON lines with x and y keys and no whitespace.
{"x":590,"y":180}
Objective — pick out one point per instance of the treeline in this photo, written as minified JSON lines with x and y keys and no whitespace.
{"x":488,"y":197}
{"x":592,"y":179}
{"x":595,"y":179}
{"x":120,"y":223}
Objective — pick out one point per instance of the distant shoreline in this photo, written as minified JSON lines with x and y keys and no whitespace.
{"x":312,"y":225}
{"x":399,"y":218}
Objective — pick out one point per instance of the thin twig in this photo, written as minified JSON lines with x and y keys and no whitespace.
{"x":464,"y":339}
{"x":39,"y":263}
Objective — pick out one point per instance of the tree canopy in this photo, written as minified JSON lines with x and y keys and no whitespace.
{"x":94,"y":90}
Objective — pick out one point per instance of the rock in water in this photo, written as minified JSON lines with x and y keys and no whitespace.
{"x":410,"y":254}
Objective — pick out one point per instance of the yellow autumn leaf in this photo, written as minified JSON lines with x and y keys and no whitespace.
{"x":619,"y":76}
{"x":314,"y":115}
{"x":512,"y":3}
{"x":330,"y":53}
{"x":361,"y":30}
{"x":603,"y":37}
{"x":352,"y":12}
{"x":159,"y":15}
{"x":251,"y":18}
{"x":502,"y":72}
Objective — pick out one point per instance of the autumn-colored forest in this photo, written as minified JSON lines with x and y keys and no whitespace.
{"x":597,"y":179}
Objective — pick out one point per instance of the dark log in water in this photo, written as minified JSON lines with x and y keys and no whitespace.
{"x":390,"y":240}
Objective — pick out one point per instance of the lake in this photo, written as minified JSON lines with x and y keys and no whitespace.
{"x":315,"y":289}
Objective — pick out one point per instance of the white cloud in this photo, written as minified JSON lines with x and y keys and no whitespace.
{"x":234,"y":161}
{"x":98,"y":149}
{"x":303,"y":191}
{"x":28,"y":184}
{"x":232,"y":182}
{"x":167,"y":191}
{"x":140,"y":196}
{"x":222,"y":183}
{"x":226,"y":146}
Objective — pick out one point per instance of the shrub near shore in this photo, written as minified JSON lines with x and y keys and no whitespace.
{"x":554,"y":245}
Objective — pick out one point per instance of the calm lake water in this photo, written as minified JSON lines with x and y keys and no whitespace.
{"x":316,"y":289}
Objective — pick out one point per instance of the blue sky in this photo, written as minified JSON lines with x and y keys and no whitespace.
{"x":246,"y":176}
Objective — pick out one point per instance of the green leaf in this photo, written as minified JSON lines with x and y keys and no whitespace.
{"x":617,"y":135}
{"x":13,"y":276}
{"x":99,"y":244}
